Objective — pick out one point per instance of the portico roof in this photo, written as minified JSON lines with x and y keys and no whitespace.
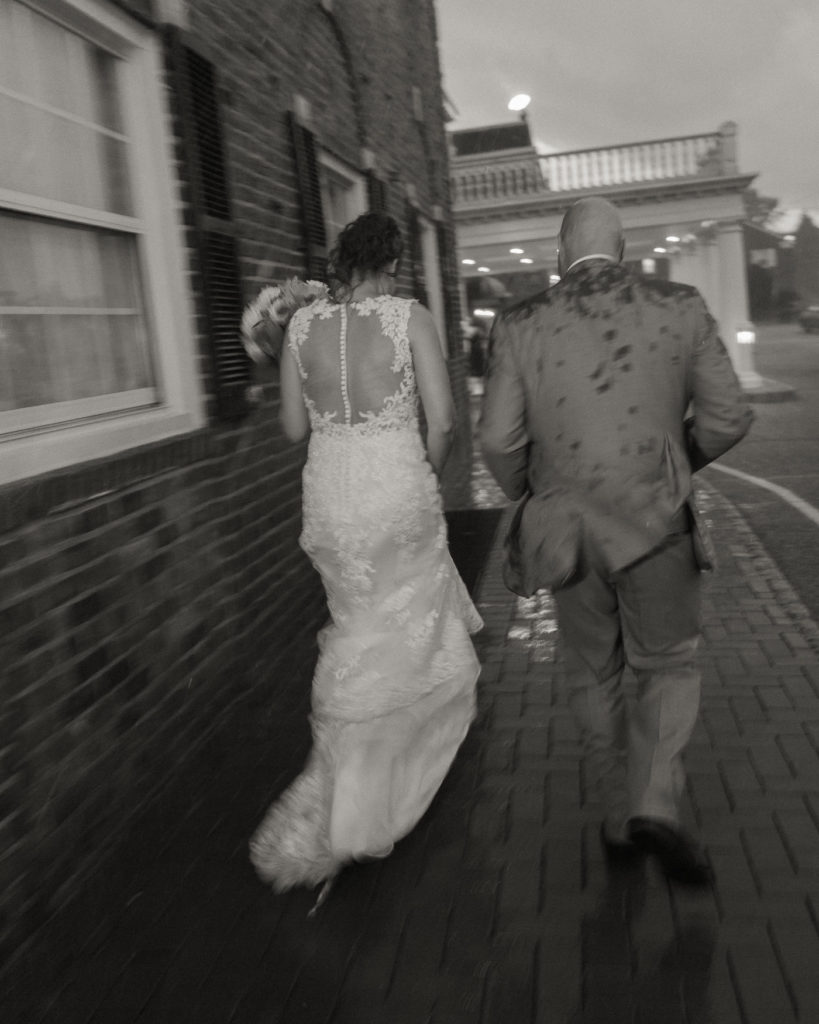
{"x":665,"y":188}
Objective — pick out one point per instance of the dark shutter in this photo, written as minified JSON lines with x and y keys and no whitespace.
{"x":377,"y":193}
{"x":309,"y":185}
{"x":448,"y":284}
{"x":416,"y":255}
{"x":198,"y":126}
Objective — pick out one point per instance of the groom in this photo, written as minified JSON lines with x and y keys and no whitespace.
{"x":603,"y":395}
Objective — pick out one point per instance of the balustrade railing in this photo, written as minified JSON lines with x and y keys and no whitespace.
{"x":487,"y":178}
{"x":498,"y":178}
{"x":684,"y":157}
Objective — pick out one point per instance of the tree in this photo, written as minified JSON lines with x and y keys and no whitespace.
{"x":758,"y":209}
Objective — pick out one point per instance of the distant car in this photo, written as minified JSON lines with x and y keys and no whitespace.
{"x":809,"y":318}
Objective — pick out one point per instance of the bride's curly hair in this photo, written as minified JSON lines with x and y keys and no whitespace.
{"x":365,"y":245}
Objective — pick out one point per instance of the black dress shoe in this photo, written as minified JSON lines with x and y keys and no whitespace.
{"x":618,"y":851}
{"x":680,"y":857}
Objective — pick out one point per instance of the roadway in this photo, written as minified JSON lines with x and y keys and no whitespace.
{"x":783,"y":449}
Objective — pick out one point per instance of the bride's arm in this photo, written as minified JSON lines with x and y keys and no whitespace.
{"x":433,"y":385}
{"x":292,"y":412}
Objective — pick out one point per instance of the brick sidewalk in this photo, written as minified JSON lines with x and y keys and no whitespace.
{"x":609,"y":947}
{"x":498,"y":908}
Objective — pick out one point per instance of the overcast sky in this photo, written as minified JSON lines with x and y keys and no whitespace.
{"x":603,"y":72}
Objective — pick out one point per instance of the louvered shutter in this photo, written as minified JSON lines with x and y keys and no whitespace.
{"x":377,"y":193}
{"x":448,"y":283}
{"x":416,"y":255}
{"x":312,"y":214}
{"x":198,"y":123}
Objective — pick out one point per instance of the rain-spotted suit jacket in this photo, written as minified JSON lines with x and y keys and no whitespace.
{"x":603,"y":395}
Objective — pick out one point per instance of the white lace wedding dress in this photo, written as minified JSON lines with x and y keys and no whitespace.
{"x":394,"y":687}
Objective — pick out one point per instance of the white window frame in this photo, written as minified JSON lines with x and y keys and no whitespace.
{"x":357,"y":190}
{"x":162,"y":257}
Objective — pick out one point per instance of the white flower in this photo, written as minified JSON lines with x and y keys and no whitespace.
{"x":265,"y":318}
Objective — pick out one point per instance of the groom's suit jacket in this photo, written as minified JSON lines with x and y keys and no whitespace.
{"x":603,"y":395}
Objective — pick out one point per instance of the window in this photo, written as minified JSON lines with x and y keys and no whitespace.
{"x":95,"y":350}
{"x":343,"y":195}
{"x":73,"y":337}
{"x":763,"y":257}
{"x":432,"y":277}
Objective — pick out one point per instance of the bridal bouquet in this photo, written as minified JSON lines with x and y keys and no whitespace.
{"x":265,"y":319}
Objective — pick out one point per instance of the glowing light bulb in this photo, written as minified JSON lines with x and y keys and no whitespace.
{"x":520,"y":102}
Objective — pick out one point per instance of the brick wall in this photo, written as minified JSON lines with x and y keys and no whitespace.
{"x":141,"y":599}
{"x":142,"y":596}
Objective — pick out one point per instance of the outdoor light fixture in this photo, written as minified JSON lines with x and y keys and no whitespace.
{"x":484,"y":270}
{"x":520,"y":102}
{"x":672,"y":238}
{"x":468,"y":263}
{"x":744,"y":352}
{"x":516,"y":251}
{"x":659,"y":248}
{"x":487,"y":314}
{"x":525,"y":259}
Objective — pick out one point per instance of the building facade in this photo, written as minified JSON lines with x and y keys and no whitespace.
{"x":163,"y":160}
{"x":680,"y":199}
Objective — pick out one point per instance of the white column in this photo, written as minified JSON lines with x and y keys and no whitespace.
{"x":731,"y":309}
{"x":708,"y":262}
{"x":678,"y":267}
{"x":699,"y":269}
{"x":696,"y":264}
{"x":685,"y":266}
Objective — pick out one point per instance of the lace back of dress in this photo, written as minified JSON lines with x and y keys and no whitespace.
{"x":355,"y":363}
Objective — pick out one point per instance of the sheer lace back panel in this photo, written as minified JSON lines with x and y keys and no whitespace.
{"x":355,"y":363}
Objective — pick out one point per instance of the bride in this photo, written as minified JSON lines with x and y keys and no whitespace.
{"x":394,"y":687}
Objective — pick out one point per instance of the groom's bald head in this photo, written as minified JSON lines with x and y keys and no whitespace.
{"x":591,"y":227}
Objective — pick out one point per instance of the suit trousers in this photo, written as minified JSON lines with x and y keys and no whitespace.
{"x":646,"y":616}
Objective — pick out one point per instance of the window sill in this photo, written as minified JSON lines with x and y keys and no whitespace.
{"x":26,"y":457}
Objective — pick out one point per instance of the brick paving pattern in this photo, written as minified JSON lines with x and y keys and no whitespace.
{"x":499,"y":907}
